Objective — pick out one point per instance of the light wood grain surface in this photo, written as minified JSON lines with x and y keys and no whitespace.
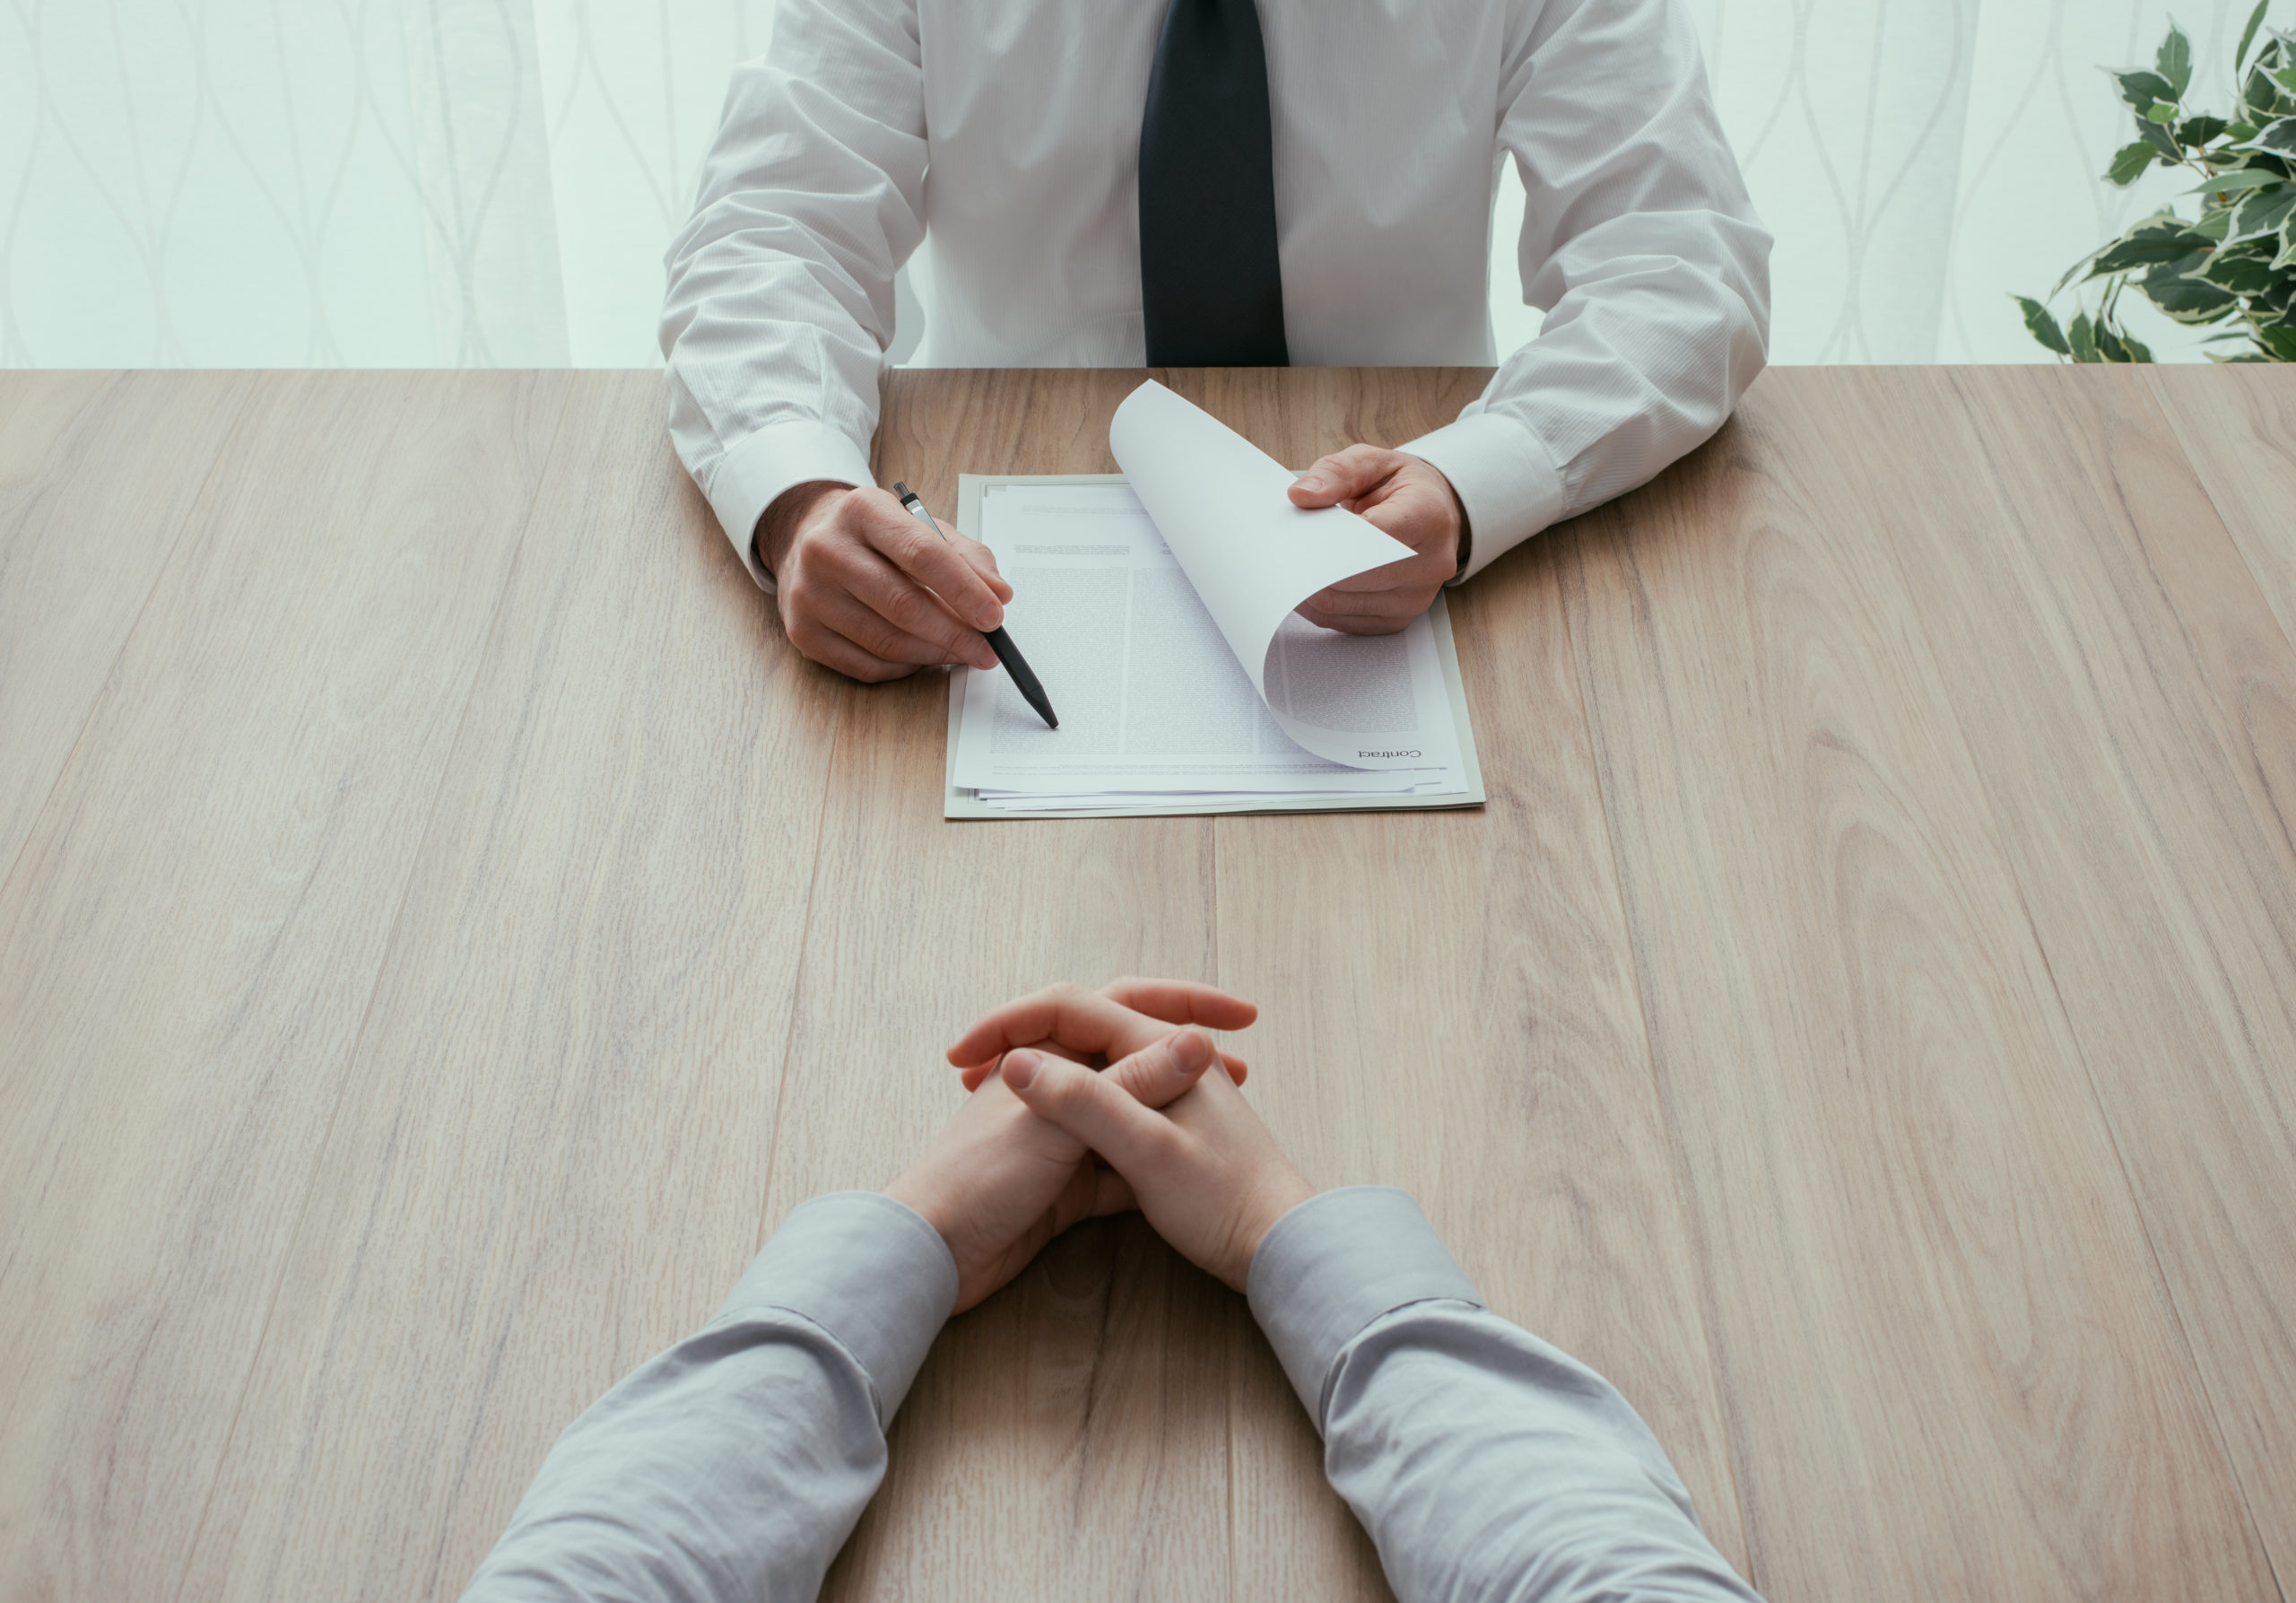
{"x":443,"y":927}
{"x":98,"y":472}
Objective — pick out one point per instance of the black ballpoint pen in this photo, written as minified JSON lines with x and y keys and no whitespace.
{"x":1024,"y":678}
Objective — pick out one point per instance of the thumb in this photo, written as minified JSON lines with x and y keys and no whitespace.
{"x":1088,"y":1106}
{"x":1341,"y":477}
{"x":1162,"y":1073}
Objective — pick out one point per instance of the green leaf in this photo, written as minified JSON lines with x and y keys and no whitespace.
{"x":2216,"y":225}
{"x":2174,"y":62}
{"x":2186,"y":299}
{"x":2263,"y":212}
{"x":2258,"y":96}
{"x":2083,"y":339}
{"x":2279,"y":341}
{"x":2113,"y":342}
{"x":2152,"y":245}
{"x":2198,"y":131}
{"x":2162,"y":112}
{"x":2237,"y":272}
{"x":2139,"y":90}
{"x":2279,"y":136}
{"x":2240,"y":178}
{"x":2287,"y":257}
{"x":2249,"y":36}
{"x":2161,"y":140}
{"x":2042,"y":325}
{"x":2241,"y":133}
{"x":2130,"y":161}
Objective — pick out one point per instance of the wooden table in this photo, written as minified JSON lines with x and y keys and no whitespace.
{"x":444,"y":928}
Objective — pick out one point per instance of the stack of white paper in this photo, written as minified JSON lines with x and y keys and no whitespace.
{"x":1158,"y":611}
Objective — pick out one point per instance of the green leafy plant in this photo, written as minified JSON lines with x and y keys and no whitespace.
{"x":2234,"y":263}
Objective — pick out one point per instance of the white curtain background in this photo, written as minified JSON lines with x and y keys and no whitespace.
{"x":285,"y":183}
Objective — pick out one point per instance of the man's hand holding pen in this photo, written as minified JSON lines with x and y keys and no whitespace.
{"x":868,"y":590}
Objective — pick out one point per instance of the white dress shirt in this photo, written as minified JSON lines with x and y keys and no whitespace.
{"x":1483,"y":1462}
{"x":1008,"y":130}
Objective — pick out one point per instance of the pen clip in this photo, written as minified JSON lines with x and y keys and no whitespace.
{"x":908,"y":498}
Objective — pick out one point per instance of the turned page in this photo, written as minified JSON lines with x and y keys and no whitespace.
{"x":1221,"y":506}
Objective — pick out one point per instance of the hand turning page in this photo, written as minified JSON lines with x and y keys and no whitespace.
{"x":1158,"y":607}
{"x":1222,"y":507}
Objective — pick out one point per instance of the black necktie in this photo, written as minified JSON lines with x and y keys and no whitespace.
{"x":1210,"y":290}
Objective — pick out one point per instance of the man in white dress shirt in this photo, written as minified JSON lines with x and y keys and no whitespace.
{"x":1203,"y":182}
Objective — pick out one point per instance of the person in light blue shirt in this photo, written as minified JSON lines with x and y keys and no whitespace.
{"x":1484,"y":1463}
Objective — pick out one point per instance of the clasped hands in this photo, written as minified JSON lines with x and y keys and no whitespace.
{"x":868,"y":590}
{"x":1090,"y":1102}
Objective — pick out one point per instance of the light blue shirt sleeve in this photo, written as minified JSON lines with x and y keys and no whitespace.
{"x":735,"y":1465}
{"x":1484,"y":1463}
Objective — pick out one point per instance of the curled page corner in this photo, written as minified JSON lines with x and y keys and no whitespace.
{"x":1221,"y":506}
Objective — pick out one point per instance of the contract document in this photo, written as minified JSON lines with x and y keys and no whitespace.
{"x":1157,"y":608}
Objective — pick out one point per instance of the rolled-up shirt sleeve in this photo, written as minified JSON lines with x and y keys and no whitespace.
{"x":735,"y":1465}
{"x":780,"y":296}
{"x":1642,"y":248}
{"x":1484,"y":1463}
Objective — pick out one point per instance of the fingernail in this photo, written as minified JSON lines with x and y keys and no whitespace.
{"x":988,"y":617}
{"x":1312,"y":481}
{"x":1019,"y":1069}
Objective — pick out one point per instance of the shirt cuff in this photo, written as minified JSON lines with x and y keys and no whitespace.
{"x":866,"y":1269}
{"x":1334,"y":1264}
{"x":1506,"y":478}
{"x":777,"y":457}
